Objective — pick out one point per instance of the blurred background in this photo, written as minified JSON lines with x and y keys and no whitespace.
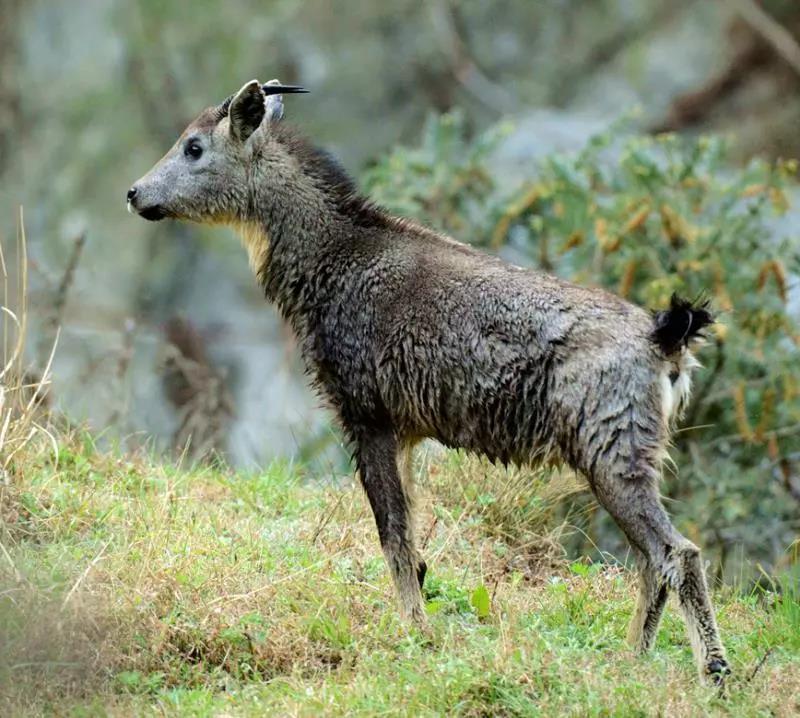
{"x":645,"y":145}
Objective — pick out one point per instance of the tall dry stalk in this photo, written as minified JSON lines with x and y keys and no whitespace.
{"x":22,"y":391}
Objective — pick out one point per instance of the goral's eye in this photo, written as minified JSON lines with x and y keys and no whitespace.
{"x":193,"y":149}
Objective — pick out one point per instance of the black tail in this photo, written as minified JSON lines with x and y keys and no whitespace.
{"x":683,"y":321}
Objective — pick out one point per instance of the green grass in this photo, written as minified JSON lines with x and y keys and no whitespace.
{"x":128,"y":587}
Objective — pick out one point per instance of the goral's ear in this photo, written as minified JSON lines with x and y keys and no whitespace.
{"x":246,"y":110}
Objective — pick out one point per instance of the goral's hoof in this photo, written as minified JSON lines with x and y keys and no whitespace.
{"x":717,"y":670}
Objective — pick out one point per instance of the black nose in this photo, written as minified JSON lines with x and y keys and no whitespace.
{"x":131,"y":194}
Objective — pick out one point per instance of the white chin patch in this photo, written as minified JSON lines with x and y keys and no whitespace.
{"x":131,"y":209}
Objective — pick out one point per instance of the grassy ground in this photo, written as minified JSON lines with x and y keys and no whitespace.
{"x":130,"y":587}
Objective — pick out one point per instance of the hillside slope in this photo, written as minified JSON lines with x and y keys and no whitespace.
{"x":131,"y":587}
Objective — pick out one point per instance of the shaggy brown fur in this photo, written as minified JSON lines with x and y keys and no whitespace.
{"x":409,"y":335}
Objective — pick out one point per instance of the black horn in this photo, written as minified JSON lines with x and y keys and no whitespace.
{"x":281,"y":89}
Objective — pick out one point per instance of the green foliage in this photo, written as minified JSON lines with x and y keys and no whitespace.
{"x":444,"y":181}
{"x":480,"y":601}
{"x":445,"y":596}
{"x":646,"y":217}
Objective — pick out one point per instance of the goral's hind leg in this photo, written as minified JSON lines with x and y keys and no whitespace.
{"x":377,"y":458}
{"x":649,"y":606}
{"x":672,"y":560}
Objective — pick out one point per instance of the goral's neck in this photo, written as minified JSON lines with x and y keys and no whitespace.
{"x":289,"y":240}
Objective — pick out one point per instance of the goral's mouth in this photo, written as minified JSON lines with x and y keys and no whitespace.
{"x":154,"y":213}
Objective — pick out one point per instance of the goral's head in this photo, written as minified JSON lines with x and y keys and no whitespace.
{"x":204,"y":177}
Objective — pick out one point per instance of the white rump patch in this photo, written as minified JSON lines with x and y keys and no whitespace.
{"x":675,"y":395}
